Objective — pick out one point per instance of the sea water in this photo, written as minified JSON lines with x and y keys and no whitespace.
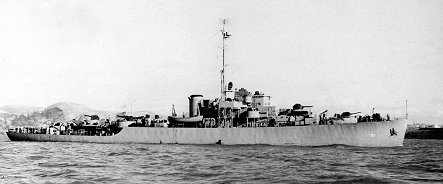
{"x":417,"y":161}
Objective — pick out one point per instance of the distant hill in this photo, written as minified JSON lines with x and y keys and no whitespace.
{"x":5,"y":120}
{"x":69,"y":106}
{"x":6,"y":115}
{"x":18,"y":115}
{"x":19,"y":109}
{"x":75,"y":110}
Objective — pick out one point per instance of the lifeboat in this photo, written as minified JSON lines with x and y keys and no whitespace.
{"x":195,"y":119}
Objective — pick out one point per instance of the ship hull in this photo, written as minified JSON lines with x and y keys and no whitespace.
{"x":370,"y":134}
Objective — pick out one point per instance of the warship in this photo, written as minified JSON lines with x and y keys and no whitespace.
{"x":424,"y":132}
{"x":238,"y":117}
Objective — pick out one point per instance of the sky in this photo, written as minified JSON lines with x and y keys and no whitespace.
{"x":336,"y":55}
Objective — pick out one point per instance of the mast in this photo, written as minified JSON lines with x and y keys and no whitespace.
{"x":225,"y":35}
{"x":406,"y":109}
{"x":224,"y":115}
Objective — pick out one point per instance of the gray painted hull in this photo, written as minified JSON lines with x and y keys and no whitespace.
{"x":370,"y":134}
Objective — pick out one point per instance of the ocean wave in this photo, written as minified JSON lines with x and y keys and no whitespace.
{"x":416,"y":161}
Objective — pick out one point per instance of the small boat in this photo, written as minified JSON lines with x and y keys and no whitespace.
{"x":193,"y":121}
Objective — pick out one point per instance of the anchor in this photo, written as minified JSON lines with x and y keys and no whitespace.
{"x":393,"y":132}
